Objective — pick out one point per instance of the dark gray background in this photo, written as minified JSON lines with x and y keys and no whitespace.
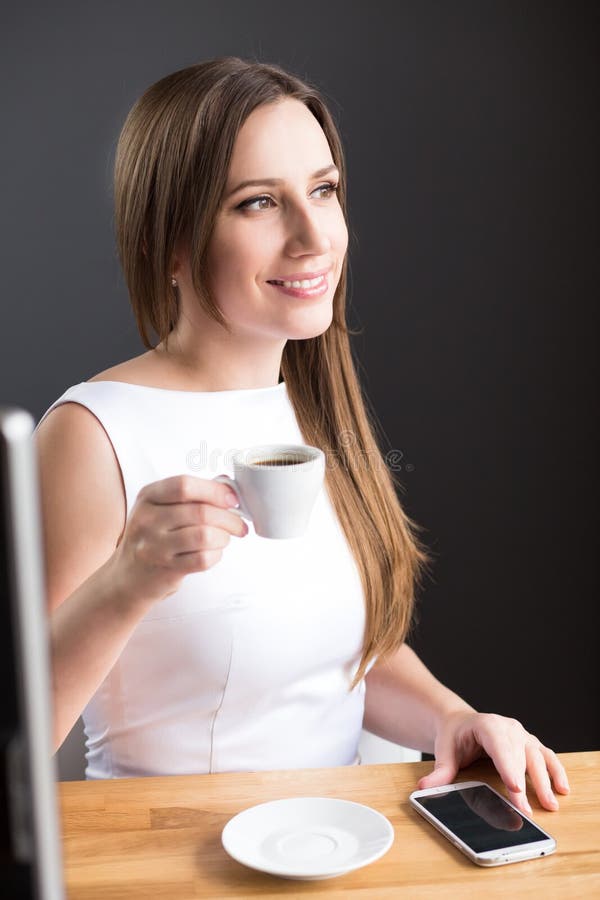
{"x":473,"y":175}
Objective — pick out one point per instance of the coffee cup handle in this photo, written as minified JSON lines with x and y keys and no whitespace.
{"x":230,"y":482}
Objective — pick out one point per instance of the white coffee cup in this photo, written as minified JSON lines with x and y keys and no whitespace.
{"x":277,"y":485}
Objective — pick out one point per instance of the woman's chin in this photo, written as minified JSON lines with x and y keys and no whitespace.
{"x":303,"y":328}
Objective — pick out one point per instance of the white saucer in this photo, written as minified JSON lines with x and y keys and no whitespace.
{"x":307,"y":838}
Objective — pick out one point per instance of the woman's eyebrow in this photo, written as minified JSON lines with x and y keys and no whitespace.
{"x":258,"y":182}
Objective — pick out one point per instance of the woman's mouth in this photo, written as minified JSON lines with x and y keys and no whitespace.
{"x":307,"y":287}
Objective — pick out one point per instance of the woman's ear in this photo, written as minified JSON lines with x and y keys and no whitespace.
{"x":179,"y":261}
{"x":174,"y":270}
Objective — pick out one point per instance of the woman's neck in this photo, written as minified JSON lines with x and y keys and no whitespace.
{"x":221,"y":363}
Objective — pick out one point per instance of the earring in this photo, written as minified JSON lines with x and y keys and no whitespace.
{"x":173,"y":281}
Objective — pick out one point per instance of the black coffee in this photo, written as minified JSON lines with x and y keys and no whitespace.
{"x":280,"y":461}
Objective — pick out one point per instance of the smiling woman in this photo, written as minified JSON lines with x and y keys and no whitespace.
{"x":225,"y":321}
{"x":186,"y":651}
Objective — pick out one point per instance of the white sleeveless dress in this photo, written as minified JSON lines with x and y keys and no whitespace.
{"x":248,"y":665}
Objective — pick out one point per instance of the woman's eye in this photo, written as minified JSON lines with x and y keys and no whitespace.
{"x":331,"y":188}
{"x":248,"y":204}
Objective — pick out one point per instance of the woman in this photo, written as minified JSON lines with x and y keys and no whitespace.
{"x":185,"y":649}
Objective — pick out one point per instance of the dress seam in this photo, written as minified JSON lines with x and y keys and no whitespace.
{"x":218,"y":709}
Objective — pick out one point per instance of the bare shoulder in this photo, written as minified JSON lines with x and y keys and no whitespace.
{"x":151,"y":369}
{"x":139,"y":370}
{"x":82,"y":497}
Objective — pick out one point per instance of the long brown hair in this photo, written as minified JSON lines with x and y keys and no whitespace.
{"x":172,"y":163}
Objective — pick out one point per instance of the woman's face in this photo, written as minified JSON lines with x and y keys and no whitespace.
{"x":289,"y":230}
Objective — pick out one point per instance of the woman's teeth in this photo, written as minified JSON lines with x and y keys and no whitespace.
{"x":306,"y":283}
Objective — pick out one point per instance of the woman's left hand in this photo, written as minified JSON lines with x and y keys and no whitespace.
{"x":465,"y":736}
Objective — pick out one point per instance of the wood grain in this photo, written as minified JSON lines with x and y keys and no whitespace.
{"x":160,"y":838}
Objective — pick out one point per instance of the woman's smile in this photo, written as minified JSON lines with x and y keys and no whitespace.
{"x":303,"y":285}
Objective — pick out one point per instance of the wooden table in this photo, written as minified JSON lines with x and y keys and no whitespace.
{"x":160,"y":838}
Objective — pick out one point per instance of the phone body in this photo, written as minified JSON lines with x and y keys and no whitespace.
{"x":482,"y":824}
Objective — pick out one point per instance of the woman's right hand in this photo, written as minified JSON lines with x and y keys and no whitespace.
{"x":177,"y":526}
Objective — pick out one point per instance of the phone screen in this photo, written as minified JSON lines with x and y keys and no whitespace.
{"x":481,"y":819}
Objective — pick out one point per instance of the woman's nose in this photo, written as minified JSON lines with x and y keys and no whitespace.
{"x":308,"y":233}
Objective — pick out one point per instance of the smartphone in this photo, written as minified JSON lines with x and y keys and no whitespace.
{"x":482,"y":824}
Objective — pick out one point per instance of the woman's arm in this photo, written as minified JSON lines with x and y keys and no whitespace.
{"x":406,"y":704}
{"x":88,"y":633}
{"x":103,"y":575}
{"x":83,"y":515}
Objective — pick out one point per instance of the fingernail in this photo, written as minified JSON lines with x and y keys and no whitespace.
{"x":552,"y":801}
{"x":528,"y":807}
{"x":232,"y":499}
